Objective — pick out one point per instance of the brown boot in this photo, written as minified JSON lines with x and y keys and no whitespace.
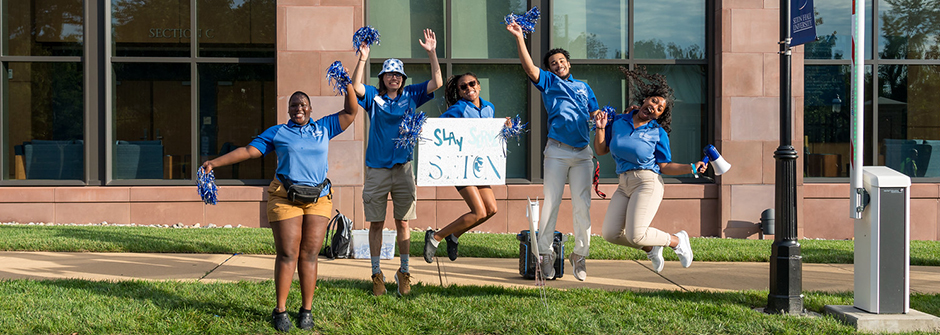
{"x":404,"y":282}
{"x":378,"y":284}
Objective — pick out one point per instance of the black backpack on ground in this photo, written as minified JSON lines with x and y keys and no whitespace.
{"x":527,"y":260}
{"x":338,"y":246}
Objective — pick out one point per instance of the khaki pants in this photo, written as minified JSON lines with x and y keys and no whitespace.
{"x":574,"y":165}
{"x":632,"y":208}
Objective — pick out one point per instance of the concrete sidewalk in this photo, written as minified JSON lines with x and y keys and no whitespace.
{"x":602,"y":274}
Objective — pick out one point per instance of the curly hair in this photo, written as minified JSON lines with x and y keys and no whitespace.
{"x":451,"y":93}
{"x":552,"y":53}
{"x":643,"y":85}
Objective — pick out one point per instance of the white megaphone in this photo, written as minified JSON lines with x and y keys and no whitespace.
{"x":719,"y":163}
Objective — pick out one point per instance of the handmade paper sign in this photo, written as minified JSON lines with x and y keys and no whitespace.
{"x":461,"y":152}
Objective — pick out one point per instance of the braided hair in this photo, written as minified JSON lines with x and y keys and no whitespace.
{"x":644,"y":85}
{"x":451,"y":91}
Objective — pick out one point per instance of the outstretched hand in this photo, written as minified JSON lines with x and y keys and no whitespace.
{"x":430,"y":41}
{"x":700,"y":167}
{"x":207,"y":167}
{"x":515,"y":29}
{"x":364,"y":51}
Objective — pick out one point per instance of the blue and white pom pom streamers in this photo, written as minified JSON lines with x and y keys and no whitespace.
{"x":410,"y":130}
{"x":526,"y":21}
{"x":206,"y":186}
{"x":512,"y":131}
{"x":367,"y":35}
{"x":337,"y":76}
{"x":610,"y":111}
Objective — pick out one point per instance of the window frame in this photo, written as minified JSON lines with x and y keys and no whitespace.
{"x":540,"y":42}
{"x":97,"y":63}
{"x":870,"y":140}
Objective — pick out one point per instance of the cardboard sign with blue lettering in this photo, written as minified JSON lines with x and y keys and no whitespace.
{"x":461,"y":152}
{"x":802,"y":22}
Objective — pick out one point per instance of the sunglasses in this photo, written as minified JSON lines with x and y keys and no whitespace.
{"x":469,"y":84}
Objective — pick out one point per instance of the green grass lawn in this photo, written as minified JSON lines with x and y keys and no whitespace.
{"x":346,"y":307}
{"x":260,"y":241}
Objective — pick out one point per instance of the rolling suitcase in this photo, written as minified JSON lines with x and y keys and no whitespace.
{"x":527,"y":260}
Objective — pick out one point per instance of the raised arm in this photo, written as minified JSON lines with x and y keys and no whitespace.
{"x":235,"y":156}
{"x":359,"y":88}
{"x":350,"y":109}
{"x":430,"y":45}
{"x":530,"y":69}
{"x":600,"y":134}
{"x":679,"y":168}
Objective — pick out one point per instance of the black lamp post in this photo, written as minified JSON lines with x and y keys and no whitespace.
{"x":786,"y":261}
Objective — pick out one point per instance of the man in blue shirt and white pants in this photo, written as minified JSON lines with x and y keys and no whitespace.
{"x":569,"y":104}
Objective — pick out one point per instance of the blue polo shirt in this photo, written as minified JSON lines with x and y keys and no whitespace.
{"x":569,"y":103}
{"x":301,"y":150}
{"x":640,"y":148}
{"x":466,"y":109}
{"x":385,"y":116}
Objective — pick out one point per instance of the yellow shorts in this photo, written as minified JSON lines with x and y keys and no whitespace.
{"x":279,"y":208}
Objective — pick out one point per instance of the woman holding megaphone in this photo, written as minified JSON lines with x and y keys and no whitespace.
{"x":639,"y":142}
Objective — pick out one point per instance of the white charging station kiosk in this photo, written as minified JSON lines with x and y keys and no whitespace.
{"x":882,"y":243}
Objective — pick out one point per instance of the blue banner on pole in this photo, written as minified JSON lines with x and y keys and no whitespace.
{"x":802,"y":22}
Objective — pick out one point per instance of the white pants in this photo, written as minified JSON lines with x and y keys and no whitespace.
{"x":574,"y":165}
{"x":631,"y":211}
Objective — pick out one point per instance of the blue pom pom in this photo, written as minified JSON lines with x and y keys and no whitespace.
{"x":526,"y":21}
{"x":410,"y":130}
{"x":513,"y":131}
{"x":610,"y":111}
{"x":205,"y":183}
{"x":367,"y":35}
{"x":337,"y":77}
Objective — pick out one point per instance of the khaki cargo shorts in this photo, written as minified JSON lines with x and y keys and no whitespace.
{"x":400,"y":182}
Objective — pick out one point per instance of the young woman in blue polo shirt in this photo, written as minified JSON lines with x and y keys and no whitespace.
{"x":462,"y":94}
{"x":389,"y":169}
{"x":569,"y":105}
{"x":299,"y":227}
{"x":639,"y":143}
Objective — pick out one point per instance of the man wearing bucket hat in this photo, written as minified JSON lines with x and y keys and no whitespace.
{"x":389,"y":169}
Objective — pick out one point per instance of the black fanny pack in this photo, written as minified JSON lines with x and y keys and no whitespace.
{"x":303,"y":193}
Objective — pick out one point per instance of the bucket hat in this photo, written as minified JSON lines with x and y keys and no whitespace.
{"x":393,"y":65}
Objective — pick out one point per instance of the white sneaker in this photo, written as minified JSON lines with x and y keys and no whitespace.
{"x":684,"y":249}
{"x":578,"y":268}
{"x":656,"y":257}
{"x":548,"y":266}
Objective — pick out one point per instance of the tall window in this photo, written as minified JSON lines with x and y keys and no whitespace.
{"x":175,"y":88}
{"x":600,"y":35}
{"x":182,"y":94}
{"x":902,"y":76}
{"x":42,"y":113}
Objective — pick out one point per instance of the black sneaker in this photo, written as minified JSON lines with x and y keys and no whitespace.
{"x":451,"y":247}
{"x":280,"y":320}
{"x":429,"y":248}
{"x":305,"y":321}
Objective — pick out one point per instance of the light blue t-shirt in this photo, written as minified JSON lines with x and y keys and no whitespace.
{"x":569,"y":103}
{"x":385,"y":116}
{"x":466,"y":109}
{"x":301,"y":150}
{"x":642,"y":148}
